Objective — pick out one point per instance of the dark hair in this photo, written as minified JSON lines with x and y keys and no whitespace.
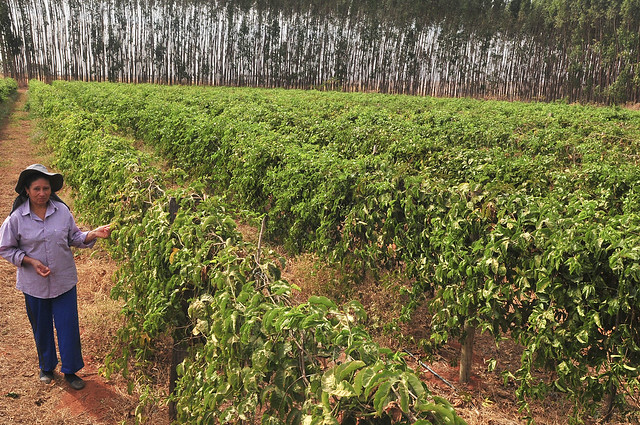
{"x":33,"y":177}
{"x":22,"y":197}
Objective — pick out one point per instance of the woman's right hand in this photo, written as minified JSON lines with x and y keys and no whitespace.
{"x":41,"y":269}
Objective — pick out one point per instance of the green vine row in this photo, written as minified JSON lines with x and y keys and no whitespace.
{"x":517,"y":219}
{"x":187,"y":273}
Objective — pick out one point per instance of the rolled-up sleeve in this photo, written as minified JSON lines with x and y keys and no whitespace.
{"x":9,"y":244}
{"x":77,"y":236}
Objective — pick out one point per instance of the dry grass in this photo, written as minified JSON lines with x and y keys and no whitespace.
{"x":313,"y":278}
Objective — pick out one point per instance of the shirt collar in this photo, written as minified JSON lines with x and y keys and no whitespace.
{"x":51,"y":208}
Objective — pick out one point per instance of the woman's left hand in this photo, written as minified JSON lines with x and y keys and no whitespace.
{"x":99,"y":232}
{"x":102,"y":231}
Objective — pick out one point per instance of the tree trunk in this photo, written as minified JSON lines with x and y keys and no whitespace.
{"x":466,"y":353}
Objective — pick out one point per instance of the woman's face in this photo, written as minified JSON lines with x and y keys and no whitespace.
{"x":39,"y":191}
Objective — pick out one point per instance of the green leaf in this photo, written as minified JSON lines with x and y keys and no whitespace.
{"x":559,"y":387}
{"x":596,"y":319}
{"x":345,"y":369}
{"x":415,"y":385}
{"x":344,"y":389}
{"x":325,"y":401}
{"x":441,"y":412}
{"x":324,"y":301}
{"x":364,"y":376}
{"x":382,"y":396}
{"x":375,"y":379}
{"x":402,"y":391}
{"x":294,"y":417}
{"x":329,"y":381}
{"x":583,"y":336}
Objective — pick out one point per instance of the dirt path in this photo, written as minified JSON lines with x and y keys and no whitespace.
{"x":23,"y":399}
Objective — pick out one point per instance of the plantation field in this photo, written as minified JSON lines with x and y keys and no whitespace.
{"x":520,"y":221}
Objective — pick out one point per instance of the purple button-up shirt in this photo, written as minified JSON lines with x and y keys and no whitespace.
{"x":49,"y":241}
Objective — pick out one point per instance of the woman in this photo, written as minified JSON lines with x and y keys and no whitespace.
{"x":36,"y":237}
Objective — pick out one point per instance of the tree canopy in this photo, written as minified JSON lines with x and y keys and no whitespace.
{"x":576,"y":50}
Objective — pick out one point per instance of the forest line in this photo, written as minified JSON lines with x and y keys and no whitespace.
{"x":576,"y":51}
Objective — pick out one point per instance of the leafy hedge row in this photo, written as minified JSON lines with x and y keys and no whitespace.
{"x":8,"y":89}
{"x":310,"y":159}
{"x":517,"y":217}
{"x":186,"y":271}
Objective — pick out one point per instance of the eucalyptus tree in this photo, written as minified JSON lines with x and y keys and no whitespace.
{"x":519,"y":49}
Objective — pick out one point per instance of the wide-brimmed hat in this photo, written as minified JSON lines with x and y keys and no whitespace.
{"x":55,"y":179}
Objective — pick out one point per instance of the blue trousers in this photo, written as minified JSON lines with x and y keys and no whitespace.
{"x":63,"y":312}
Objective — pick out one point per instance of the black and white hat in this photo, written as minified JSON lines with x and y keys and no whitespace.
{"x":56,"y":179}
